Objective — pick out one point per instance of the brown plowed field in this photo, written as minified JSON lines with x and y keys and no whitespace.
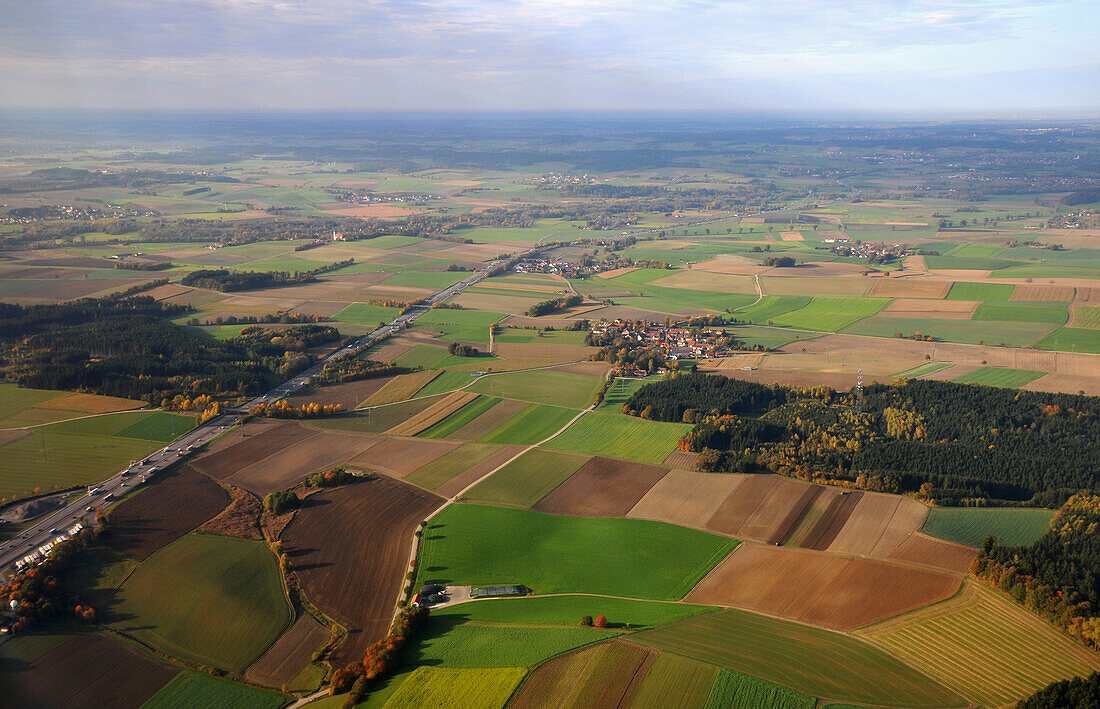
{"x":536,"y":350}
{"x":401,"y":456}
{"x":402,"y":387}
{"x":439,"y":410}
{"x":289,"y":654}
{"x":762,"y":508}
{"x":921,"y":549}
{"x":707,"y":281}
{"x":778,"y":512}
{"x":602,"y":487}
{"x":1065,"y":383}
{"x":878,"y":525}
{"x":176,"y":503}
{"x":489,"y":421}
{"x":391,"y":351}
{"x":684,"y":460}
{"x":1088,"y":296}
{"x":821,"y":589}
{"x":349,"y":548}
{"x":592,"y":369}
{"x":935,"y":309}
{"x":1059,"y":294}
{"x":248,"y":444}
{"x":313,"y":453}
{"x":349,"y":395}
{"x":910,"y":288}
{"x":603,"y":676}
{"x":832,"y":520}
{"x":89,"y":671}
{"x":625,"y":312}
{"x":685,"y":498}
{"x":10,"y":435}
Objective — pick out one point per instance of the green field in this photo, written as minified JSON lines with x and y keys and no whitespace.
{"x":462,"y":325}
{"x":972,"y":250}
{"x":1013,"y":526}
{"x":531,"y":425}
{"x":195,"y":689}
{"x":215,"y":600}
{"x":984,"y":646}
{"x":980,"y":291}
{"x":675,"y":682}
{"x":455,"y":687}
{"x":433,"y":357}
{"x":623,"y":437}
{"x":733,"y":689}
{"x":1071,"y":339}
{"x":923,"y":370}
{"x":543,"y":386}
{"x":970,"y":332}
{"x":620,"y":391}
{"x":960,"y":263}
{"x":558,"y":337}
{"x":817,"y":662}
{"x":1054,"y":313}
{"x":449,"y":380}
{"x":527,"y":479}
{"x":770,"y":307}
{"x":830,"y":313}
{"x":568,"y":610}
{"x":451,"y":465}
{"x":460,"y":418}
{"x":450,"y":641}
{"x":999,"y":377}
{"x":366,"y":314}
{"x":14,"y":399}
{"x":481,"y":545}
{"x":77,"y":452}
{"x":158,"y":426}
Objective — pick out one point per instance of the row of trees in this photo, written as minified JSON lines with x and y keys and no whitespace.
{"x":226,"y":281}
{"x":970,"y":443}
{"x":380,"y":658}
{"x":282,"y":409}
{"x":552,"y":306}
{"x":350,"y":369}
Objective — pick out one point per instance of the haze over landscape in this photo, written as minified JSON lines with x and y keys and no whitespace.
{"x":501,"y":355}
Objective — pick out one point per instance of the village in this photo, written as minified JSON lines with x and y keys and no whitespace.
{"x":674,"y":342}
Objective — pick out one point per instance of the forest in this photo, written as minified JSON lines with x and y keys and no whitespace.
{"x":1057,"y":577}
{"x":226,"y":281}
{"x":1076,"y":693}
{"x":127,"y":347}
{"x":960,"y":443}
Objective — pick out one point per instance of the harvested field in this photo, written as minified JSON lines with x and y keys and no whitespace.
{"x":602,"y":487}
{"x":1060,"y":294}
{"x":489,"y":421}
{"x":246,"y":445}
{"x":616,"y":272}
{"x":439,"y":410}
{"x":312,"y":451}
{"x":684,"y":498}
{"x":402,"y":456}
{"x":349,"y":395}
{"x":830,"y":286}
{"x":179,"y":501}
{"x":290,"y":653}
{"x":791,"y":236}
{"x":825,"y":590}
{"x":391,"y":350}
{"x":536,"y":350}
{"x":915,"y":288}
{"x":828,"y":515}
{"x":736,"y":361}
{"x":684,"y":460}
{"x":92,"y":670}
{"x":928,"y":551}
{"x":1065,"y":383}
{"x":879,"y":524}
{"x":10,"y":435}
{"x":402,"y":387}
{"x":356,"y":582}
{"x":838,"y":381}
{"x":937,"y":309}
{"x":612,"y":312}
{"x":760,"y":507}
{"x":91,"y":403}
{"x":603,"y":676}
{"x":984,"y":646}
{"x":707,"y":281}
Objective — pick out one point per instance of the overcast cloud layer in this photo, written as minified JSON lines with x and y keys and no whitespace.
{"x":916,"y":57}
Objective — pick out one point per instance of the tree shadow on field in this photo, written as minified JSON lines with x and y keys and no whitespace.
{"x":436,"y":627}
{"x":313,"y":501}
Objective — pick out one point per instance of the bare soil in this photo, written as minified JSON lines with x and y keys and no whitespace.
{"x":290,"y":653}
{"x":602,"y":487}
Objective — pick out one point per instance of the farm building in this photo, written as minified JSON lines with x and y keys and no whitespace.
{"x":498,"y":591}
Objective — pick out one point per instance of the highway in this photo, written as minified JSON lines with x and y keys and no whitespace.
{"x":58,"y":522}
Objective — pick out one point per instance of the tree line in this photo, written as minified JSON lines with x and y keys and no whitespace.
{"x":226,"y":281}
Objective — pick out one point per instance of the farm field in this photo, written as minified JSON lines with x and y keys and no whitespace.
{"x":480,"y":545}
{"x":530,"y":425}
{"x":97,"y":671}
{"x":453,"y":471}
{"x":825,"y":590}
{"x":234,"y":581}
{"x":676,"y":683}
{"x":528,"y":479}
{"x":190,"y":689}
{"x":284,"y":660}
{"x":602,"y":487}
{"x":831,"y":314}
{"x":460,"y":418}
{"x":605,"y":675}
{"x":1016,"y":311}
{"x":962,"y":290}
{"x":567,"y":609}
{"x":448,"y":686}
{"x":177,"y":502}
{"x":375,"y":419}
{"x":809,"y":660}
{"x":984,"y":646}
{"x":969,"y":332}
{"x":924,"y":370}
{"x":624,"y":437}
{"x":772,"y":306}
{"x":356,"y":582}
{"x":1013,"y":526}
{"x":1071,"y":339}
{"x":20,"y":406}
{"x":733,"y":689}
{"x":999,"y":377}
{"x":542,"y":386}
{"x":452,"y":642}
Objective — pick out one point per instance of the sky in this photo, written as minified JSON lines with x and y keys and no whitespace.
{"x":921,"y":58}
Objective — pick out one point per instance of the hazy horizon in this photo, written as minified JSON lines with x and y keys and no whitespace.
{"x":932,"y":58}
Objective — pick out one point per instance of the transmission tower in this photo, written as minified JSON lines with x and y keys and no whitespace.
{"x":859,"y":392}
